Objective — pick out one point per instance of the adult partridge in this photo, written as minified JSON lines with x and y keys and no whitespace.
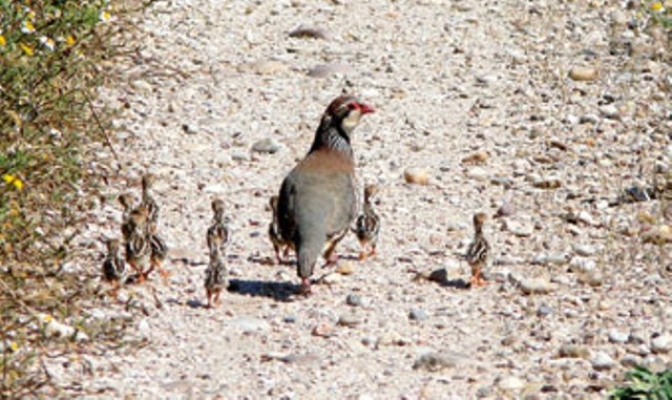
{"x":317,"y":201}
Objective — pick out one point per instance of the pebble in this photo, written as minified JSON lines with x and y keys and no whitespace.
{"x":250,"y":324}
{"x":519,"y":227}
{"x":268,"y":145}
{"x":591,"y":278}
{"x":630,"y":361}
{"x":354,"y":300}
{"x":309,"y":32}
{"x":349,"y":320}
{"x":326,"y":70}
{"x":477,"y":174}
{"x":616,"y":336}
{"x":602,"y":361}
{"x":264,"y":67}
{"x":547,"y":182}
{"x":323,"y":330}
{"x":391,"y":338}
{"x":657,"y":235}
{"x":477,"y":158}
{"x":332,"y":279}
{"x":637,"y":337}
{"x":544,"y":310}
{"x":289,"y":319}
{"x":610,"y":111}
{"x":416,"y":175}
{"x":662,"y":344}
{"x":433,"y":361}
{"x":417,"y":314}
{"x":552,"y":259}
{"x":579,"y":73}
{"x":536,"y":286}
{"x":581,"y":265}
{"x":585,"y":250}
{"x":346,"y":268}
{"x":510,"y":383}
{"x":573,"y":351}
{"x":240,"y":155}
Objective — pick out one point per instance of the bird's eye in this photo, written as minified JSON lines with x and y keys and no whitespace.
{"x":353,"y":106}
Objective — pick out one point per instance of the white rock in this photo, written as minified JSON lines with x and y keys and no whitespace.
{"x":662,"y":344}
{"x":249,"y":324}
{"x":536,"y":286}
{"x":585,"y":250}
{"x":616,"y":336}
{"x":511,"y":383}
{"x":519,"y":227}
{"x":602,"y":361}
{"x":477,"y":173}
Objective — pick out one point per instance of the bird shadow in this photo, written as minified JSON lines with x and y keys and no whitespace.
{"x":279,"y":291}
{"x":440,"y":276}
{"x":195,"y":303}
{"x":270,"y":261}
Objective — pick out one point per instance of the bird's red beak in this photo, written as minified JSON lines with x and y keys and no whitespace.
{"x":366,"y":109}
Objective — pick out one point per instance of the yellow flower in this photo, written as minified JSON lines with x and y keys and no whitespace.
{"x":27,"y":27}
{"x":14,"y":346}
{"x":657,"y":6}
{"x":47,"y":318}
{"x":26,"y":49}
{"x":3,"y":41}
{"x":13,"y":180}
{"x":70,"y":40}
{"x":105,"y":16}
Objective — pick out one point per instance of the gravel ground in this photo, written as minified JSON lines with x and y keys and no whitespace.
{"x":478,"y":98}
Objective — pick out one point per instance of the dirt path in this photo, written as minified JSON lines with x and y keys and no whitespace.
{"x":449,"y":79}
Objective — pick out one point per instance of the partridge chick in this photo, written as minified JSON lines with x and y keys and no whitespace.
{"x":114,"y":267}
{"x":219,"y":228}
{"x":316,"y":204}
{"x":148,"y":201}
{"x":138,"y":246}
{"x":216,"y":274}
{"x":274,"y":233}
{"x":126,"y":200}
{"x":368,"y":224}
{"x":477,"y":253}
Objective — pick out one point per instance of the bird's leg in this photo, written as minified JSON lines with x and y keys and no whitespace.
{"x":363,"y":253}
{"x":330,"y":256}
{"x":141,"y":275}
{"x":162,"y":271}
{"x":209,"y":296}
{"x":217,"y":302}
{"x":277,"y":254}
{"x":145,"y":275}
{"x":477,"y":280}
{"x":373,"y":250}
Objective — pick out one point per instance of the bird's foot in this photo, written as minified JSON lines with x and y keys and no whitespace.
{"x":305,"y":288}
{"x":362,"y":255}
{"x":477,"y":281}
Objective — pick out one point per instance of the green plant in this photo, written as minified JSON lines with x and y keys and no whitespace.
{"x":645,"y":385}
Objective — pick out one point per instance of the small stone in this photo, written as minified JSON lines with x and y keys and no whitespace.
{"x":506,"y":210}
{"x":325,"y":70}
{"x":544,"y":310}
{"x":433,"y":362}
{"x":630,"y":361}
{"x":477,"y":174}
{"x":519,"y":227}
{"x":579,"y":73}
{"x":616,"y":336}
{"x":552,"y":259}
{"x":585,"y":250}
{"x":249,"y":324}
{"x":349,"y":320}
{"x":332,"y":279}
{"x":662,"y":344}
{"x":239,"y":155}
{"x":415,"y":175}
{"x":591,"y":278}
{"x":655,"y":364}
{"x":289,"y":319}
{"x":637,"y":337}
{"x":477,"y":158}
{"x":264,"y":67}
{"x":548,"y":182}
{"x":268,"y":145}
{"x":601,"y":361}
{"x":573,"y":351}
{"x":323,"y":330}
{"x":417,"y":314}
{"x":308,"y":32}
{"x":391,"y":339}
{"x":354,"y":300}
{"x":582,"y":265}
{"x":510,"y":383}
{"x":345,"y":268}
{"x":536,"y":286}
{"x":610,"y":111}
